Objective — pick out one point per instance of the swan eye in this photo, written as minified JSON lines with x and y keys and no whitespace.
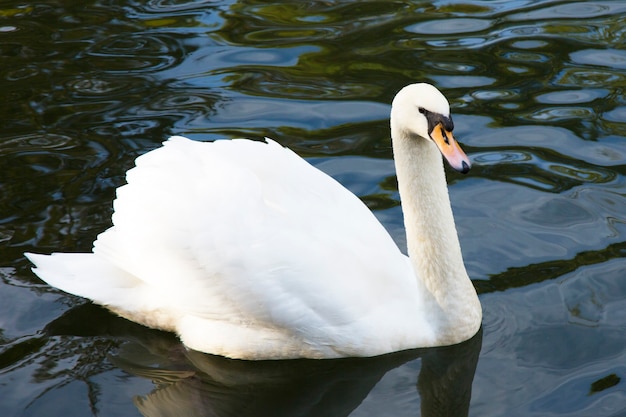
{"x":421,"y":110}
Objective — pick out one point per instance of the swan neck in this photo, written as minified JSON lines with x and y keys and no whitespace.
{"x":432,"y":241}
{"x":428,"y":218}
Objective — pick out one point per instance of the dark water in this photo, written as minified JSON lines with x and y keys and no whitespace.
{"x":537,"y":90}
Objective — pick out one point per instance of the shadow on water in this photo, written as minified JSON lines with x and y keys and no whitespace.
{"x":550,"y":270}
{"x":191,"y":383}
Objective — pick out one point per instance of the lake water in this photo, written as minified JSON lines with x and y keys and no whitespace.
{"x":537,"y":94}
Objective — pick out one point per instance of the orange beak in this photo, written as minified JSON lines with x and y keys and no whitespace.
{"x":450,"y":149}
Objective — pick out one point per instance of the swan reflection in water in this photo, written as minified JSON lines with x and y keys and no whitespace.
{"x":190,"y":383}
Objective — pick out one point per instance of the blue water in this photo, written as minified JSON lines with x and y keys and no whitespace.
{"x":537,"y":94}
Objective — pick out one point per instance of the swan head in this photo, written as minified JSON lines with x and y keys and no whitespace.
{"x":420,"y":112}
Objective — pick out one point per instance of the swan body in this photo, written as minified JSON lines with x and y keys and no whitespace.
{"x":245,"y":250}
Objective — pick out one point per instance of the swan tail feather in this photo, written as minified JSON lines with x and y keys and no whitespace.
{"x":82,"y":274}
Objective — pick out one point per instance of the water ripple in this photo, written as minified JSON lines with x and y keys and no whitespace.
{"x":506,"y":156}
{"x":83,"y":87}
{"x":595,"y":78}
{"x":141,"y":52}
{"x":572,"y":96}
{"x":616,"y":115}
{"x":173,"y":6}
{"x":578,"y":10}
{"x":610,"y":58}
{"x":450,"y":26}
{"x":35,"y":142}
{"x":554,"y":114}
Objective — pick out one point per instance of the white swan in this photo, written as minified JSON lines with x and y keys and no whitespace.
{"x":245,"y":250}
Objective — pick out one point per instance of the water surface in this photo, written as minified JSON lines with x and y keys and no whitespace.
{"x":537,"y":94}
